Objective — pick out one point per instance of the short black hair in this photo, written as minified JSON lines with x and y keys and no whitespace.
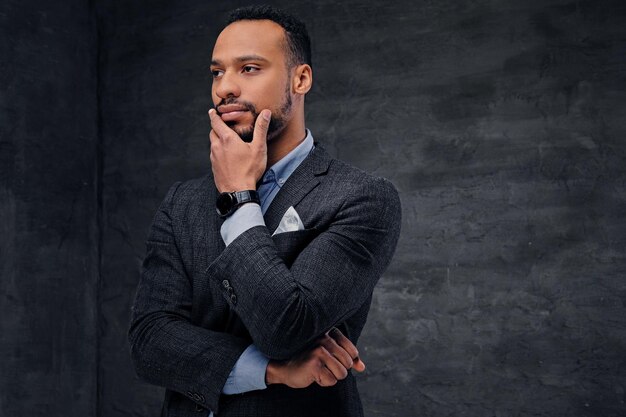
{"x":298,"y":41}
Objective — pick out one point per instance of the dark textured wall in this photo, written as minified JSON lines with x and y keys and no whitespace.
{"x":502,"y":125}
{"x":48,"y":209}
{"x":500,"y":122}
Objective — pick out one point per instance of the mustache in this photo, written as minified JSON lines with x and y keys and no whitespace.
{"x":231,"y":100}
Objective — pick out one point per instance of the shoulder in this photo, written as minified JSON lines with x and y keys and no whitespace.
{"x":369,"y":198}
{"x":191,"y":192}
{"x":369,"y":205}
{"x":352,"y":180}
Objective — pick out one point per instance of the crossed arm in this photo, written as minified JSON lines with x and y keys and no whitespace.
{"x":170,"y":351}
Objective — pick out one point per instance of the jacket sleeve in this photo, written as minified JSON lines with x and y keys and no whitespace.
{"x":166,"y":348}
{"x":286,"y":308}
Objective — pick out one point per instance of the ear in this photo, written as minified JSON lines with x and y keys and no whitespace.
{"x":302,"y":79}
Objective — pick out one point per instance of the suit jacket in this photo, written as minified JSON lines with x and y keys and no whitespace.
{"x":199,"y":305}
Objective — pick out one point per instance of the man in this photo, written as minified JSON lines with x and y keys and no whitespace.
{"x":258,"y":277}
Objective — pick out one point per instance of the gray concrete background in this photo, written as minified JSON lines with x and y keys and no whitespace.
{"x":500,"y":122}
{"x":48,"y":209}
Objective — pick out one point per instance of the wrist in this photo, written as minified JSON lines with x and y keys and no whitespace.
{"x":246,"y":185}
{"x":227,"y":203}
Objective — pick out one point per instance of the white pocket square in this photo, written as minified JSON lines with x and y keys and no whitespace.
{"x":289,"y":223}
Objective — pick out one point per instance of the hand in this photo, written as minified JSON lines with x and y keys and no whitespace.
{"x":238,"y":165}
{"x":326,"y":363}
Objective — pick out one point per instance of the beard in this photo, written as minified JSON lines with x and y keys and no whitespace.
{"x":278,"y":120}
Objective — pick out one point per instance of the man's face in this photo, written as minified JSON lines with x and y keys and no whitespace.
{"x":250,"y":74}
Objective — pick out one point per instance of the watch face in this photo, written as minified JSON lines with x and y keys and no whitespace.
{"x":224,"y":203}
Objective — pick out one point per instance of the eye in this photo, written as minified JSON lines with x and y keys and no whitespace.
{"x":216,"y":73}
{"x":250,"y":69}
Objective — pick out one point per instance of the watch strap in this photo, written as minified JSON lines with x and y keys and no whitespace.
{"x":227,"y":203}
{"x":247,"y":196}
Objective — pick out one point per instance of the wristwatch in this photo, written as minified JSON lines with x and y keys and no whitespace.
{"x":227,"y":203}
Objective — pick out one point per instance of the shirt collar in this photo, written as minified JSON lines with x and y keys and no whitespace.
{"x":282,"y":169}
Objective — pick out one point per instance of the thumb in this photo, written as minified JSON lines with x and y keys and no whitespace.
{"x":261,"y":127}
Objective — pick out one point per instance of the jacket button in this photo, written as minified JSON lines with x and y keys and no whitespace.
{"x":225,"y":283}
{"x":196,"y":396}
{"x":199,"y":408}
{"x":233,"y":298}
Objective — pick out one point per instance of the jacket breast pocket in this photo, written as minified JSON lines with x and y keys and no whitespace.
{"x":290,"y":244}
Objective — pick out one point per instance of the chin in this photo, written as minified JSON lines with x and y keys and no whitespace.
{"x":244,"y":132}
{"x":238,"y":126}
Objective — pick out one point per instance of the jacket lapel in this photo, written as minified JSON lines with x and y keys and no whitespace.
{"x":303,"y":180}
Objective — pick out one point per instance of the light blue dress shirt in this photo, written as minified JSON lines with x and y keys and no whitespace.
{"x":248,"y":374}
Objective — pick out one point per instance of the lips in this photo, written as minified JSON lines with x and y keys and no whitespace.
{"x":230,"y":112}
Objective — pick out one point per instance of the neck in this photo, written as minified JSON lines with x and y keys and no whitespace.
{"x":286,"y":141}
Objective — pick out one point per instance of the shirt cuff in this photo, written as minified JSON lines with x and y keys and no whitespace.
{"x":248,"y":374}
{"x":244,"y":218}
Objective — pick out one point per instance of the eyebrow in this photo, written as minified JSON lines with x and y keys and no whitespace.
{"x":242,"y":59}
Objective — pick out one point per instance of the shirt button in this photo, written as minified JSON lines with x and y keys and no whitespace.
{"x":225,"y":283}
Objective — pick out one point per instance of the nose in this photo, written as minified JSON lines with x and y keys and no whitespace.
{"x":226,"y":85}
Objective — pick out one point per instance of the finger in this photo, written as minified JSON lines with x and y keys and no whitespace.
{"x":215,"y":145}
{"x":218,"y":125}
{"x":344,"y":342}
{"x":261,"y":127}
{"x":357,"y":364}
{"x":337,"y":351}
{"x":326,"y":378}
{"x":213,"y":137}
{"x":333,"y":365}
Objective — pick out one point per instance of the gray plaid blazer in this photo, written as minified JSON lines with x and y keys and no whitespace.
{"x":199,"y":305}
